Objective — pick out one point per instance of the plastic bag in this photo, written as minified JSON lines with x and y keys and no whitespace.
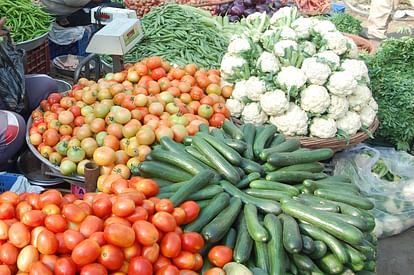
{"x":67,"y":35}
{"x":22,"y":185}
{"x":393,"y":197}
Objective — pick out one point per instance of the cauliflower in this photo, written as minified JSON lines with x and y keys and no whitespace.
{"x":331,"y":58}
{"x":308,"y":48}
{"x":342,"y":83}
{"x":316,"y":72}
{"x":336,"y":42}
{"x":302,"y":26}
{"x":282,"y":16}
{"x":255,"y":88}
{"x":358,"y":68}
{"x":367,"y":115}
{"x":230,"y":64}
{"x":268,"y":63}
{"x":269,"y":38}
{"x":253,"y":114}
{"x":240,"y":90}
{"x":238,"y":45}
{"x":373,"y":104}
{"x":287,"y":33}
{"x":323,"y":26}
{"x":353,"y":51}
{"x":235,"y":106}
{"x":281,"y":46}
{"x":274,"y":103}
{"x":350,"y":123}
{"x":359,"y":98}
{"x":293,"y":122}
{"x":339,"y":107}
{"x":315,"y":99}
{"x":291,"y":77}
{"x":323,"y":127}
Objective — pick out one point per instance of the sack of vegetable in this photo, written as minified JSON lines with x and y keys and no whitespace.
{"x":386,"y":176}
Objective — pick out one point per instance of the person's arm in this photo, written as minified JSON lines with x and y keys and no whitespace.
{"x":3,"y":31}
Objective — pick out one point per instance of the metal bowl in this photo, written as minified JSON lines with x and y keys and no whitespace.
{"x":33,"y":43}
{"x":63,"y":86}
{"x":68,"y":71}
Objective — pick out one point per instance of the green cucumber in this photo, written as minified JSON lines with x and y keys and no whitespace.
{"x":317,"y":203}
{"x":334,"y":245}
{"x":262,"y":256}
{"x":358,"y":222}
{"x":230,"y":239}
{"x":196,"y":154}
{"x":370,"y":266}
{"x":215,"y":230}
{"x":303,"y":262}
{"x":226,"y":151}
{"x":240,"y":171}
{"x":181,"y":160}
{"x":267,"y":206}
{"x":316,"y":271}
{"x":277,"y":139}
{"x":275,"y":245}
{"x":355,"y":256}
{"x":217,"y":133}
{"x":293,"y":176}
{"x":267,"y":167}
{"x":206,"y":266}
{"x":319,"y":251}
{"x":218,"y":203}
{"x":256,"y":230}
{"x":203,"y":128}
{"x":247,"y":180}
{"x":169,"y":144}
{"x":354,"y":200}
{"x":258,"y":271}
{"x":221,"y":164}
{"x":193,"y":185}
{"x":232,"y":130}
{"x":330,"y":264}
{"x":238,"y":145}
{"x":289,"y":145}
{"x":345,"y":208}
{"x":249,"y":132}
{"x":313,"y":167}
{"x":165,"y":195}
{"x":156,"y":169}
{"x":273,"y":185}
{"x":244,"y":243}
{"x":267,"y":194}
{"x":172,"y":187}
{"x":339,"y":178}
{"x":203,"y":203}
{"x":291,"y":158}
{"x":293,"y":268}
{"x":188,"y":140}
{"x":262,"y":138}
{"x":292,"y":240}
{"x":322,"y":185}
{"x":250,"y":166}
{"x":162,"y":182}
{"x":308,"y":244}
{"x":207,"y":192}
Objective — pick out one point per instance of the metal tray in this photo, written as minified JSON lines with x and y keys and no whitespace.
{"x":32,"y":44}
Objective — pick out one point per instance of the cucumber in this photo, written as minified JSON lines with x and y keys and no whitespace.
{"x":313,"y":167}
{"x":322,"y":185}
{"x":218,"y":203}
{"x":354,"y":200}
{"x":244,"y":243}
{"x":203,"y":203}
{"x":230,"y":239}
{"x":338,"y":178}
{"x":250,"y":166}
{"x":221,"y":164}
{"x":317,"y":203}
{"x":274,"y":195}
{"x":292,"y":240}
{"x":293,"y":268}
{"x":277,"y":139}
{"x":267,"y":167}
{"x":162,"y":182}
{"x":206,"y":266}
{"x":319,"y":251}
{"x":169,"y":144}
{"x":258,"y":271}
{"x":226,"y":151}
{"x":273,"y":185}
{"x":249,"y":132}
{"x":247,"y":180}
{"x":172,"y":187}
{"x":196,"y":154}
{"x":156,"y":169}
{"x":203,"y":128}
{"x":308,"y":244}
{"x":207,"y":192}
{"x":262,"y":138}
{"x":240,"y":171}
{"x":293,"y":176}
{"x":289,"y":145}
{"x":348,"y":209}
{"x":267,"y":206}
{"x":316,"y":271}
{"x":188,"y":140}
{"x":232,"y":130}
{"x":217,"y":133}
{"x":302,"y":261}
{"x":165,"y":195}
{"x":275,"y":245}
{"x":181,"y":160}
{"x":193,"y":185}
{"x":355,"y":256}
{"x":218,"y":227}
{"x":330,"y":264}
{"x":334,"y":245}
{"x":325,"y":221}
{"x":358,"y":222}
{"x":262,"y":256}
{"x":255,"y":229}
{"x":238,"y":145}
{"x":291,"y":158}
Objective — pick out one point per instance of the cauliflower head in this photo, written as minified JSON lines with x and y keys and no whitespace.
{"x":287,"y":33}
{"x":342,"y":83}
{"x":235,"y":107}
{"x":308,"y":48}
{"x":268,"y":63}
{"x":359,"y":98}
{"x":274,"y":103}
{"x":350,"y":123}
{"x":338,"y":108}
{"x":252,"y":113}
{"x":336,"y":42}
{"x":323,"y":127}
{"x":230,"y":64}
{"x":240,"y":90}
{"x":331,"y":58}
{"x":353,"y":51}
{"x":358,"y":68}
{"x":373,"y":104}
{"x":281,"y":47}
{"x":315,"y":99}
{"x":316,"y":72}
{"x":279,"y":17}
{"x":291,"y":77}
{"x":269,"y":38}
{"x":293,"y":122}
{"x":323,"y":26}
{"x":303,"y":26}
{"x":238,"y":45}
{"x":255,"y":88}
{"x":367,"y":115}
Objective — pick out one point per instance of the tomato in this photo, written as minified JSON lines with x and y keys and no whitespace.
{"x":66,"y":117}
{"x":220,"y":255}
{"x":199,"y":262}
{"x":132,"y":251}
{"x":19,"y":235}
{"x":146,"y":233}
{"x":161,"y":262}
{"x":100,"y":110}
{"x":151,"y":252}
{"x":54,"y":98}
{"x":192,"y":242}
{"x":185,"y":260}
{"x":215,"y":271}
{"x":122,"y":170}
{"x":154,"y":62}
{"x":179,"y":215}
{"x":164,"y":221}
{"x":168,"y":270}
{"x":8,"y":254}
{"x":47,"y":243}
{"x":191,"y":209}
{"x":119,"y":234}
{"x":140,"y":265}
{"x":76,"y":154}
{"x":73,"y":213}
{"x":104,"y":156}
{"x":51,"y":137}
{"x":27,"y":256}
{"x":72,"y":238}
{"x":111,"y":257}
{"x":102,"y":207}
{"x":90,"y":225}
{"x":5,"y":270}
{"x":149,"y":206}
{"x":115,"y":219}
{"x":93,"y":269}
{"x":39,"y":268}
{"x":136,"y":196}
{"x":141,"y":69}
{"x":217,"y":120}
{"x":86,"y":252}
{"x":33,"y":218}
{"x":205,"y":111}
{"x":98,"y":237}
{"x":67,"y":167}
{"x":62,"y":249}
{"x":49,"y":261}
{"x":139,"y":214}
{"x":187,"y":272}
{"x":56,"y":223}
{"x":158,"y":73}
{"x":65,"y":266}
{"x":6,"y":211}
{"x":171,"y":245}
{"x":51,"y":196}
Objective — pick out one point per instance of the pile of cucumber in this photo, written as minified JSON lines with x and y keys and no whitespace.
{"x":268,"y":199}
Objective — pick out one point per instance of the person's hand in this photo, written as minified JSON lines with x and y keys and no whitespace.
{"x":3,"y":32}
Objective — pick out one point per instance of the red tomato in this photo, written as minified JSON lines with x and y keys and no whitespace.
{"x":35,"y":234}
{"x":73,"y":213}
{"x":198,"y":262}
{"x":139,"y":214}
{"x":148,"y":187}
{"x":151,"y":252}
{"x":5,"y":270}
{"x":93,"y":269}
{"x":51,"y":209}
{"x":47,"y":243}
{"x":62,"y":249}
{"x":171,"y":245}
{"x":154,"y":62}
{"x":164,"y":205}
{"x":215,"y":271}
{"x":111,"y":257}
{"x":191,"y":209}
{"x":8,"y":254}
{"x":179,"y":215}
{"x":149,"y":206}
{"x":119,"y":234}
{"x":6,"y":211}
{"x":158,"y":73}
{"x":136,"y":196}
{"x":168,"y":270}
{"x":132,"y":251}
{"x":164,"y":221}
{"x":99,"y":238}
{"x":220,"y":255}
{"x":19,"y":235}
{"x":187,"y":272}
{"x":86,"y":252}
{"x":56,"y":223}
{"x":141,"y":266}
{"x":54,"y":98}
{"x":65,"y":266}
{"x":10,"y":197}
{"x":123,"y":207}
{"x":72,"y":238}
{"x":192,"y":242}
{"x":33,"y":218}
{"x":39,"y":268}
{"x":27,"y":256}
{"x":185,"y":260}
{"x":115,"y":219}
{"x":51,"y":196}
{"x":102,"y":207}
{"x":4,"y":229}
{"x":51,"y":137}
{"x":161,"y":262}
{"x":217,"y":120}
{"x":146,"y":233}
{"x":90,"y":225}
{"x":49,"y":261}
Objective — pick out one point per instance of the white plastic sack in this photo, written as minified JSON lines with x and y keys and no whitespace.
{"x":394,"y":200}
{"x":22,"y":185}
{"x":67,"y":35}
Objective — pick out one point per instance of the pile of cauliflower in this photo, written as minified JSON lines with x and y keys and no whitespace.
{"x":300,"y":74}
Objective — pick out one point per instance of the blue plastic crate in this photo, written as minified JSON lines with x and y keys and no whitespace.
{"x":337,"y":8}
{"x":7,"y":180}
{"x":77,"y":48}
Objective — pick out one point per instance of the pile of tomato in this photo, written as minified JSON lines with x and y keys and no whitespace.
{"x":115,"y":120}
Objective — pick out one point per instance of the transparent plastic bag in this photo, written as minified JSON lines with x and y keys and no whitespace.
{"x":394,"y":200}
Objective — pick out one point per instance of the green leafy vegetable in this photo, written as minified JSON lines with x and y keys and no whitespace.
{"x":345,"y":22}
